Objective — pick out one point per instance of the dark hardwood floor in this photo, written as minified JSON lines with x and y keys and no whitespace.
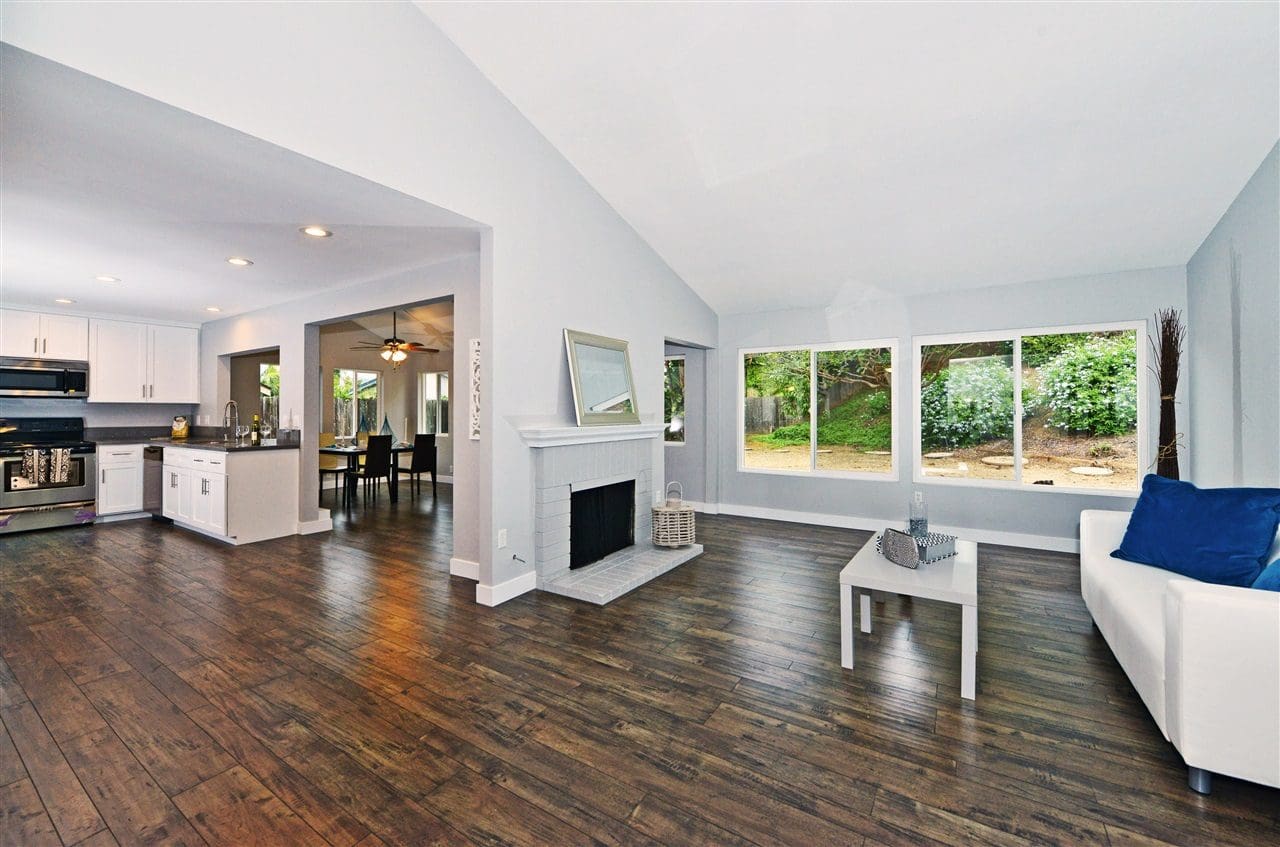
{"x":160,"y":688}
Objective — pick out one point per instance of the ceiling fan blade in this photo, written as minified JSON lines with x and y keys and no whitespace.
{"x":419,"y":348}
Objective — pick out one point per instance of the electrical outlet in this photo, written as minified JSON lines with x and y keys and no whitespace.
{"x":502,"y":538}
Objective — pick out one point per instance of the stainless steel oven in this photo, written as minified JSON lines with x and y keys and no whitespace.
{"x":35,"y":493}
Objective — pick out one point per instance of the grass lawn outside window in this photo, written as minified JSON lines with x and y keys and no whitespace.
{"x":819,"y":410}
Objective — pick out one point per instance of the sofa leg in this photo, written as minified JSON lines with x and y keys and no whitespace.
{"x":1200,"y":780}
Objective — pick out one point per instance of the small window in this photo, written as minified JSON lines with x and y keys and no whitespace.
{"x":433,"y":408}
{"x":673,"y":400}
{"x":269,"y":394}
{"x":826,"y":410}
{"x":355,"y":402}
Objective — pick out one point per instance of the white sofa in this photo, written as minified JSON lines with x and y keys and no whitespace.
{"x":1204,"y":658}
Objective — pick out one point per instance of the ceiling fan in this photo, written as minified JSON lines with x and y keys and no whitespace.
{"x":395,"y":349}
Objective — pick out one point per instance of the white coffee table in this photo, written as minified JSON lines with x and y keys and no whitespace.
{"x":953,"y":580}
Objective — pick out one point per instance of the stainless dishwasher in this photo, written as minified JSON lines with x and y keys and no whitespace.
{"x":153,"y":481}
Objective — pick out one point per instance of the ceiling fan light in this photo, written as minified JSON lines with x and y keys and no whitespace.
{"x":386,"y":354}
{"x":399,"y":355}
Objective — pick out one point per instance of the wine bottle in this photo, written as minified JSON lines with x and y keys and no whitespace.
{"x":255,"y":432}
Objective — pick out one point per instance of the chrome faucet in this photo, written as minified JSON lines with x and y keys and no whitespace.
{"x":227,"y":420}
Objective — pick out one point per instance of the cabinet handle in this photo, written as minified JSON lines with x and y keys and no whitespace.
{"x":35,"y":345}
{"x":144,"y":391}
{"x":46,"y":346}
{"x":104,"y":476}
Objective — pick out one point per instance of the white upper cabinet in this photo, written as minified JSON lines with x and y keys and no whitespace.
{"x":175,"y":365}
{"x":118,"y":362}
{"x":143,"y":363}
{"x":19,"y":334}
{"x":33,"y":335}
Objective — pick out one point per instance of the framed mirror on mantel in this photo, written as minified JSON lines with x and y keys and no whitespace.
{"x":600,"y":370}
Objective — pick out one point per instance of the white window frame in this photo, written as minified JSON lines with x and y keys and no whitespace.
{"x":449,"y":422}
{"x":813,"y":349}
{"x":685,"y":398}
{"x":1016,"y":335}
{"x":382,"y":375}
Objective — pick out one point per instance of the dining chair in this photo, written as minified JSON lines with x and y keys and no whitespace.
{"x":362,"y":440}
{"x":424,"y":461}
{"x":335,"y":465}
{"x":377,"y":464}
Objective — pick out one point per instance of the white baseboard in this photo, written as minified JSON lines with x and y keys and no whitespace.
{"x":492,"y":595}
{"x":322,"y":524}
{"x":127,"y":516}
{"x":465,"y":568}
{"x":982,"y":536}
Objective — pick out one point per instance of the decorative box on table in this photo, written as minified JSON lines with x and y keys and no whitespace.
{"x":909,"y":550}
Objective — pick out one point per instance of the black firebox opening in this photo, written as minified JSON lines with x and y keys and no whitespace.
{"x":601,"y":521}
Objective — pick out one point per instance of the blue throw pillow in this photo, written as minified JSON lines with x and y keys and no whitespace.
{"x":1218,"y":535}
{"x":1269,"y":579}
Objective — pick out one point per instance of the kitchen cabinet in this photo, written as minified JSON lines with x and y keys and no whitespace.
{"x":133,"y":362}
{"x":238,"y":496}
{"x":35,"y":335}
{"x":120,"y":471}
{"x":195,"y":491}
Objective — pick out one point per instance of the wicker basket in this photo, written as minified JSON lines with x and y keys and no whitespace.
{"x":673,"y":521}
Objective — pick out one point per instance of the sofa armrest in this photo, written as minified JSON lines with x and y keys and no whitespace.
{"x":1222,"y":678}
{"x":1100,"y":533}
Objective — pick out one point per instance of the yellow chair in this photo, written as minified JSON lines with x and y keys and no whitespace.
{"x":335,"y":465}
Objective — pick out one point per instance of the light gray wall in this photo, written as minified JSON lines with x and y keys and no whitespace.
{"x":1040,"y":518}
{"x":1233,"y":340}
{"x":95,"y":414}
{"x":557,"y":256}
{"x":687,"y":463}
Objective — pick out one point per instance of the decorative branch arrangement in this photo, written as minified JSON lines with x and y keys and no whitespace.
{"x":1166,"y":347}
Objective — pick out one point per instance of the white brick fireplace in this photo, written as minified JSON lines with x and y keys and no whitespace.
{"x":569,"y":459}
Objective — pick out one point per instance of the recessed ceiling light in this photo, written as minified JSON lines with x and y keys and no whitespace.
{"x":105,"y":278}
{"x":239,"y":261}
{"x":316,"y":231}
{"x":64,"y":301}
{"x":212,"y":309}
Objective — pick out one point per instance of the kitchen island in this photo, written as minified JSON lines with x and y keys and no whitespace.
{"x":236,"y":494}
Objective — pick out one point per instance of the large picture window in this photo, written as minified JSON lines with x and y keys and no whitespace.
{"x":1049,"y":408}
{"x":825,"y":410}
{"x":355,"y":402}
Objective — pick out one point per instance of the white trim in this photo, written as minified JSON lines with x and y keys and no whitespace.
{"x":895,"y":472}
{"x":918,"y":342}
{"x":982,"y":536}
{"x":323,"y":524}
{"x":704,"y":508}
{"x":562,"y":436}
{"x":493,"y":595}
{"x":464,"y":568}
{"x":123,"y":516}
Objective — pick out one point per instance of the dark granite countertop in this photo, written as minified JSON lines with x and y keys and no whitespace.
{"x":220,"y":446}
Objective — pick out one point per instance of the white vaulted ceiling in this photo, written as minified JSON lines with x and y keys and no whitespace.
{"x":98,"y":180}
{"x":789,"y":154}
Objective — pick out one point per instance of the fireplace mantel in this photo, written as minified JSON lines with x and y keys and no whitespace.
{"x":563,"y":436}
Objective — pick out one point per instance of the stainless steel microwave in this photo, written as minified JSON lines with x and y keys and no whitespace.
{"x":44,"y":378}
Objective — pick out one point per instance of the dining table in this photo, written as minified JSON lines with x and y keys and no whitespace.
{"x":354,"y":452}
